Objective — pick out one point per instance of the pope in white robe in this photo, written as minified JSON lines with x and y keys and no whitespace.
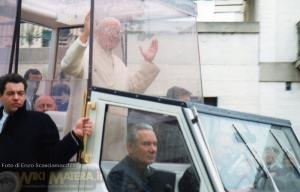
{"x":109,"y":71}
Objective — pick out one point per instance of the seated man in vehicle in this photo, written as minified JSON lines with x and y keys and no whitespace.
{"x":134,"y":173}
{"x":45,"y":103}
{"x":262,"y":182}
{"x":61,"y":93}
{"x":236,"y":172}
{"x":179,"y":93}
{"x":270,"y":158}
{"x":289,"y":169}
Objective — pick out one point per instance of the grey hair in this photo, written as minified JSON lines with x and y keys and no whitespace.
{"x":132,"y":131}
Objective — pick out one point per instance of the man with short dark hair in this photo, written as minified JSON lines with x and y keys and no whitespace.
{"x":134,"y":173}
{"x":30,"y":139}
{"x":33,"y":77}
{"x":179,"y":93}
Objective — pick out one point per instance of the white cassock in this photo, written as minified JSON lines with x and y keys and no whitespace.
{"x":109,"y":71}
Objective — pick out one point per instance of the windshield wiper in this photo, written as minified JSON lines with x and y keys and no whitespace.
{"x":293,"y":159}
{"x":257,"y":158}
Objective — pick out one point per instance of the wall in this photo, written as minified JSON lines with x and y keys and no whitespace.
{"x":229,"y":64}
{"x":277,"y":102}
{"x":249,"y":74}
{"x":278,"y":52}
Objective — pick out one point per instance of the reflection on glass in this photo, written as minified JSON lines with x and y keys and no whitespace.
{"x":34,"y":54}
{"x":270,"y":153}
{"x":264,"y":177}
{"x":236,"y":165}
{"x":167,"y":154}
{"x":290,"y":166}
{"x":239,"y":153}
{"x":288,"y":140}
{"x":47,"y":99}
{"x":138,"y":48}
{"x":66,"y":36}
{"x":33,"y":77}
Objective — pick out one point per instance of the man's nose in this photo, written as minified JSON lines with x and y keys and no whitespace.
{"x":46,"y":108}
{"x":153,"y":148}
{"x":16,"y":96}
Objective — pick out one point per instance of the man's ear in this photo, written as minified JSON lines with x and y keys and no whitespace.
{"x":130,"y":148}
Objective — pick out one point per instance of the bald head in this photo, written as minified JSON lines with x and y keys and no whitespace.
{"x":108,"y":33}
{"x":109,"y":22}
{"x":45,"y":103}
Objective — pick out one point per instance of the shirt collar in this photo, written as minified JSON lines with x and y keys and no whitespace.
{"x":4,"y":114}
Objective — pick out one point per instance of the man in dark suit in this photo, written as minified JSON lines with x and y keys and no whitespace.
{"x":33,"y":77}
{"x":134,"y":173}
{"x":189,"y":182}
{"x":29,"y":140}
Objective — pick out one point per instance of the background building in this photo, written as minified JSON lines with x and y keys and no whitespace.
{"x":248,"y":54}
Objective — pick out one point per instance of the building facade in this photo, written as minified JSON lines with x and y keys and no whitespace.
{"x":248,"y":56}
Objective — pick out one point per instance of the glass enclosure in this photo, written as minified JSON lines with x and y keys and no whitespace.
{"x":252,"y":156}
{"x":47,"y":30}
{"x":8,"y":11}
{"x":171,"y":152}
{"x":148,"y":47}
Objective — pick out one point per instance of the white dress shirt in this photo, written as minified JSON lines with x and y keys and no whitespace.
{"x":2,"y":120}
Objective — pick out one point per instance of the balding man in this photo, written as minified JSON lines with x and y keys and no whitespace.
{"x":45,"y":103}
{"x":109,"y":71}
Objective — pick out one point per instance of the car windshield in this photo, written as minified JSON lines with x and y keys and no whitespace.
{"x":252,"y":156}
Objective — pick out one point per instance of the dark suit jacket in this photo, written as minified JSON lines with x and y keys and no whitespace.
{"x":125,"y":177}
{"x":29,"y":139}
{"x":189,"y":182}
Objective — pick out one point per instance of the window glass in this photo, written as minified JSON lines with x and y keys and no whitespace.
{"x":7,"y":23}
{"x":34,"y":50}
{"x":237,"y":167}
{"x":147,"y":47}
{"x":128,"y":144}
{"x":49,"y":90}
{"x":290,"y":171}
{"x":290,"y":141}
{"x":247,"y":154}
{"x":66,"y":36}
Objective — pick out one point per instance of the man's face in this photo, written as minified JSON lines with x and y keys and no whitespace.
{"x":145,"y":148}
{"x":109,"y":37}
{"x":45,"y":103}
{"x":13,"y":97}
{"x":270,"y":157}
{"x":33,"y":83}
